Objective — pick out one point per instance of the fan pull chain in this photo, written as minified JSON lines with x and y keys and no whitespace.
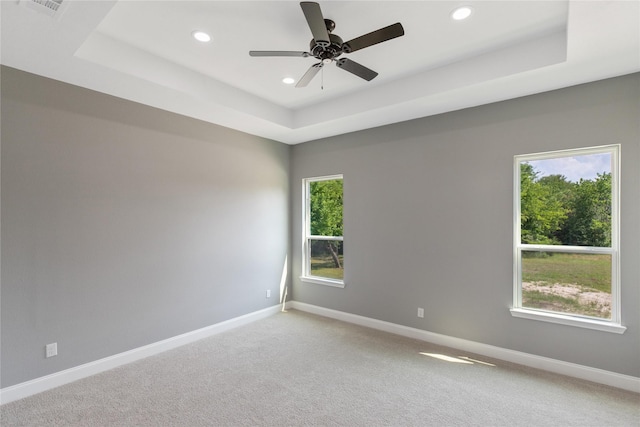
{"x":322,"y":78}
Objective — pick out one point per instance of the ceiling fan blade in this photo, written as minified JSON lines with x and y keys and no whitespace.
{"x":315,"y":20}
{"x":277,"y":53}
{"x":375,"y":37}
{"x":309,"y":75}
{"x":357,"y":69}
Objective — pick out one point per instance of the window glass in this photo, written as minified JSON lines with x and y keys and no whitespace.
{"x":566,"y":282}
{"x":566,"y":200}
{"x":325,"y":199}
{"x":326,"y":259}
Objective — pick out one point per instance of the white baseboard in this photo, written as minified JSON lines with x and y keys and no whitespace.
{"x":625,"y":382}
{"x":28,"y":388}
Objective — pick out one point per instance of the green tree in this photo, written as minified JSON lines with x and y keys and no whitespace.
{"x":560,"y":192}
{"x":589,"y":219}
{"x":541,"y":207}
{"x":561,"y":189}
{"x":326,"y":213}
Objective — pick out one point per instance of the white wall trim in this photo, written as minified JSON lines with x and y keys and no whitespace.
{"x":613,"y":379}
{"x":38,"y":385}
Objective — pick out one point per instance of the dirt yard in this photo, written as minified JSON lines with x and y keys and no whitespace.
{"x":596,"y":303}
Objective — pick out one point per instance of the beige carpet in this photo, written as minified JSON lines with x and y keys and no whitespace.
{"x":295,"y":369}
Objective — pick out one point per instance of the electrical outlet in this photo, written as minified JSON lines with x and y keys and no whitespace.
{"x":268,"y":293}
{"x":420,"y":312}
{"x":51,"y":349}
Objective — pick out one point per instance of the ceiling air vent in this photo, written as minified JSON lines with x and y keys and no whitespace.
{"x":48,"y":7}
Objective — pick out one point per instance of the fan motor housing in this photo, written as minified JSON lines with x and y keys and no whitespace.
{"x":322,"y":51}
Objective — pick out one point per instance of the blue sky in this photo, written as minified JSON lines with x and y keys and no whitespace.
{"x":574,"y":167}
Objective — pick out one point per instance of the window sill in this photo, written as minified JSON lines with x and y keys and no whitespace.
{"x":322,"y":281}
{"x":599,"y":325}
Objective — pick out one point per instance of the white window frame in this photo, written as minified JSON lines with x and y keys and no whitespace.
{"x":307,"y":236}
{"x":615,"y":323}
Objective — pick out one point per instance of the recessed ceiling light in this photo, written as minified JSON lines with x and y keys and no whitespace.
{"x":461,"y":13}
{"x":201,"y":36}
{"x":288,"y":80}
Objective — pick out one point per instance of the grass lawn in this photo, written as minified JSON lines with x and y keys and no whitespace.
{"x":324,"y":267}
{"x":587,"y":270}
{"x":568,"y":283}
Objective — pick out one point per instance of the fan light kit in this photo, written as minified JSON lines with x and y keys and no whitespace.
{"x":461,"y":13}
{"x":288,"y":80}
{"x":201,"y":36}
{"x":326,"y":46}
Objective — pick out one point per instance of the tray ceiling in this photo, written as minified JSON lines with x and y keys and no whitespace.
{"x":144,"y":51}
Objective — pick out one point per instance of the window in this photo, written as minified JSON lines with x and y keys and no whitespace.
{"x":323,"y":246}
{"x":566,"y":238}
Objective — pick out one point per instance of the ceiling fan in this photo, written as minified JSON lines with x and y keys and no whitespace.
{"x":327,"y":46}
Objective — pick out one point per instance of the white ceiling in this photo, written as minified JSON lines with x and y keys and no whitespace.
{"x":143,"y":51}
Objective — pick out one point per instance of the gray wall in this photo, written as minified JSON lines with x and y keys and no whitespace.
{"x":428,"y":218}
{"x":123,"y":225}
